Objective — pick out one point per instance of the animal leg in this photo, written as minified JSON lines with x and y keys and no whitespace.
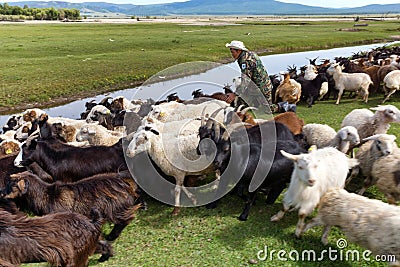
{"x":339,"y":96}
{"x":300,"y":225}
{"x":116,"y":231}
{"x":388,"y":95}
{"x":105,"y":249}
{"x":367,"y":183}
{"x":324,"y":238}
{"x":316,"y":221}
{"x":280,"y":214}
{"x":249,"y":203}
{"x":177,"y":199}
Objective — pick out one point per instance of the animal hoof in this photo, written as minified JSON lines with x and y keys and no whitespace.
{"x":242,"y":218}
{"x":176,"y":211}
{"x":211,"y":205}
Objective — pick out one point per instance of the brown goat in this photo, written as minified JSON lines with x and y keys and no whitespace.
{"x":289,"y":90}
{"x":61,"y":239}
{"x":372,"y":71}
{"x":292,"y":121}
{"x":113,"y":194}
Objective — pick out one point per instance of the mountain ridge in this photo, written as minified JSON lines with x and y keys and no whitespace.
{"x":211,"y":7}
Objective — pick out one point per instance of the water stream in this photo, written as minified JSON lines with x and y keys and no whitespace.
{"x":209,"y":81}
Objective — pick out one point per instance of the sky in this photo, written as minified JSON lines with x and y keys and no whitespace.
{"x":322,"y":3}
{"x":341,"y":3}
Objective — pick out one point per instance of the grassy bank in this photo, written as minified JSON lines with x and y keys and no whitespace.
{"x":51,"y":63}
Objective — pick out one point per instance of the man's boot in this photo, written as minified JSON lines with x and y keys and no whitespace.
{"x":283,"y":106}
{"x":292,"y":107}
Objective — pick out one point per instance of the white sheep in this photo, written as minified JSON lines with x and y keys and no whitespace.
{"x":349,"y":81}
{"x":386,"y":172}
{"x":312,"y":176}
{"x":173,"y":150}
{"x":368,"y":123}
{"x":173,"y":111}
{"x":322,"y":135}
{"x":98,"y":135}
{"x":376,"y":146}
{"x":370,"y":223}
{"x":391,"y":84}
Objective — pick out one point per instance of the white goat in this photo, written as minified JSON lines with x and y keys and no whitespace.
{"x":391,"y":84}
{"x":98,"y":108}
{"x":173,"y":150}
{"x":310,"y":73}
{"x":370,"y":223}
{"x":312,"y":176}
{"x":322,"y":135}
{"x":349,"y":81}
{"x":368,"y":123}
{"x":376,"y":146}
{"x":31,"y":114}
{"x":98,"y":135}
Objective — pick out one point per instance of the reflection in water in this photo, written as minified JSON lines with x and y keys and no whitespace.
{"x":215,"y":79}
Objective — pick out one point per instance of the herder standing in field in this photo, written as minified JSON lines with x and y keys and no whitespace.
{"x":251,"y":67}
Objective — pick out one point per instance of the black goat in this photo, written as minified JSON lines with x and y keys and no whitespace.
{"x":310,"y":89}
{"x":61,"y":239}
{"x":113,"y":194}
{"x":276,"y":170}
{"x":68,"y":163}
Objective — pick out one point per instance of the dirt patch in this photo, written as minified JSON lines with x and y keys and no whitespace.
{"x":351,"y":30}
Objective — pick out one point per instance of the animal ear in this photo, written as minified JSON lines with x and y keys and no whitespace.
{"x":154,"y":131}
{"x":289,"y":156}
{"x":373,"y":137}
{"x":342,"y":134}
{"x":23,"y":185}
{"x":378,"y":108}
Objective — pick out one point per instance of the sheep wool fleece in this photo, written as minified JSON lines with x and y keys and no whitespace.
{"x":251,"y":66}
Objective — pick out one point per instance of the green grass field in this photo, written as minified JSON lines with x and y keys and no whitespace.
{"x":45,"y":62}
{"x":51,"y":63}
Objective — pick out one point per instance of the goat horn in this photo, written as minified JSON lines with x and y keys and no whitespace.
{"x":32,"y":136}
{"x":239,"y":108}
{"x":247,"y":109}
{"x":203,"y":122}
{"x":214,"y":114}
{"x":217,"y":130}
{"x":225,"y":136}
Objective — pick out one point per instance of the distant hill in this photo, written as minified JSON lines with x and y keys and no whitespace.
{"x":210,"y":7}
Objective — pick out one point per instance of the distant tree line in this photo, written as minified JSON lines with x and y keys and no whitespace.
{"x":8,"y":12}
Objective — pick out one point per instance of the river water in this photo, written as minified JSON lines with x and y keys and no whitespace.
{"x":210,"y":81}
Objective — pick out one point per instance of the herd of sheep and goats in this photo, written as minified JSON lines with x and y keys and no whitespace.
{"x":71,"y":175}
